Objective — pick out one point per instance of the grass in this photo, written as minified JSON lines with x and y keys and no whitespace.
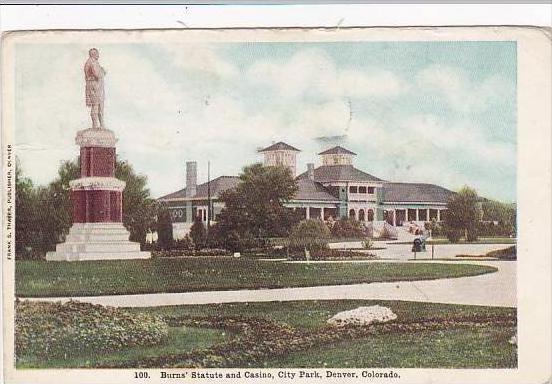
{"x":313,"y":314}
{"x":485,"y":347}
{"x":476,"y":347}
{"x":180,"y":339}
{"x":34,"y":278}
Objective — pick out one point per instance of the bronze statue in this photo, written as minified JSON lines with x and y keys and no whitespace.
{"x":94,"y":75}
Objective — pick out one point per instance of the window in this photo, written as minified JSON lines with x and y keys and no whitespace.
{"x":371,"y":190}
{"x":361,"y":189}
{"x":353,"y":189}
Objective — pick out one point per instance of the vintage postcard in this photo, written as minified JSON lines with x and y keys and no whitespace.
{"x":277,"y":205}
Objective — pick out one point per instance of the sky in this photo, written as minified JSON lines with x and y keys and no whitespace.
{"x":432,"y":112}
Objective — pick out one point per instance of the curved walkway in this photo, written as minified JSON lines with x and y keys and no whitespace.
{"x":491,"y":289}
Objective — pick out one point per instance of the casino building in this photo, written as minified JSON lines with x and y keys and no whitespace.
{"x":333,"y":190}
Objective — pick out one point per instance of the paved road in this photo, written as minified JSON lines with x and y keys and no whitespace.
{"x":492,"y":289}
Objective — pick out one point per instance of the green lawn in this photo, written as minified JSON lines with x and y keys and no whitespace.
{"x":482,"y":347}
{"x":450,"y":345}
{"x":34,"y":278}
{"x":180,"y":339}
{"x":312,"y":314}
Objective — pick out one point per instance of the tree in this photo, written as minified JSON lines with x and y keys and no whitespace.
{"x":309,"y":234}
{"x":462,"y":215}
{"x":348,"y":227}
{"x":139,"y":208}
{"x":45,"y":213}
{"x":255,"y":207}
{"x":164,"y":228}
{"x":503,"y":214}
{"x":198,"y":233}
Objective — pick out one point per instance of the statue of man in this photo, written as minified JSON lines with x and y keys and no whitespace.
{"x":94,"y":75}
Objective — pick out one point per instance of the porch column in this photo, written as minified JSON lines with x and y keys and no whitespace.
{"x":427,"y":214}
{"x":322,"y":213}
{"x":417,"y":214}
{"x":307,"y":214}
{"x":394,"y":217}
{"x":438,"y":215}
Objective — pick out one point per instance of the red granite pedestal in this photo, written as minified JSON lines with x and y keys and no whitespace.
{"x":97,"y":232}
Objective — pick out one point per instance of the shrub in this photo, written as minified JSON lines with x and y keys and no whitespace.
{"x":348,"y":228}
{"x":185,"y":243}
{"x":198,"y":233}
{"x":309,"y":234}
{"x":164,"y":229}
{"x":368,"y":244}
{"x":453,"y":235}
{"x":53,"y":330}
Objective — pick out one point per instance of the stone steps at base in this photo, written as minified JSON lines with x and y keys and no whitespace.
{"x":95,"y":237}
{"x":103,"y":246}
{"x":83,"y":256}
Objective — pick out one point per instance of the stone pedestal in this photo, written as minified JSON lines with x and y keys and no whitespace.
{"x":97,"y":232}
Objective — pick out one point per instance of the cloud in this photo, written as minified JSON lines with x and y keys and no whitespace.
{"x":461,"y":93}
{"x":190,"y":103}
{"x":313,"y":72}
{"x":199,"y":58}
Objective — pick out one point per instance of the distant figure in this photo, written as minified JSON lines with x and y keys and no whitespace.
{"x":94,"y":75}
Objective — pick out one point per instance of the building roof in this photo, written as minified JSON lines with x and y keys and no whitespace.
{"x":337,"y":150}
{"x":280,"y":146}
{"x":218,"y":185}
{"x":328,"y":173}
{"x":311,"y":190}
{"x":415,"y":192}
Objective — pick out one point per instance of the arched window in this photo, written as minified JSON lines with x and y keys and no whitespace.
{"x":370,"y":215}
{"x":361,"y":215}
{"x":352,"y":214}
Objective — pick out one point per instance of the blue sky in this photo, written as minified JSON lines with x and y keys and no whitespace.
{"x":437,"y":112}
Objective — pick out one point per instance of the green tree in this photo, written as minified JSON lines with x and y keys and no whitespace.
{"x":164,"y":228}
{"x":198,"y":233}
{"x":348,"y":228}
{"x":139,"y":208}
{"x":462,"y":215}
{"x":309,"y":234}
{"x":503,"y":214}
{"x":255,"y":207}
{"x":45,"y":213}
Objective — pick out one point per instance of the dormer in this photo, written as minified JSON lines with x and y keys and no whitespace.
{"x":337,"y":156}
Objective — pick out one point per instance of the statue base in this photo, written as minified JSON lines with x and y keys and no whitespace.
{"x":97,"y":241}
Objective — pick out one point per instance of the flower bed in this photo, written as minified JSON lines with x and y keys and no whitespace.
{"x":259,"y":339}
{"x":191,"y":252}
{"x":334,"y":254}
{"x":52,"y":330}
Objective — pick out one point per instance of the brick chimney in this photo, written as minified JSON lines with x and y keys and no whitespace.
{"x":310,"y":171}
{"x":191,"y":178}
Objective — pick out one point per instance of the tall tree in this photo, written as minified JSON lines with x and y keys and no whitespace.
{"x":255,"y":207}
{"x":463,"y":213}
{"x":139,"y":208}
